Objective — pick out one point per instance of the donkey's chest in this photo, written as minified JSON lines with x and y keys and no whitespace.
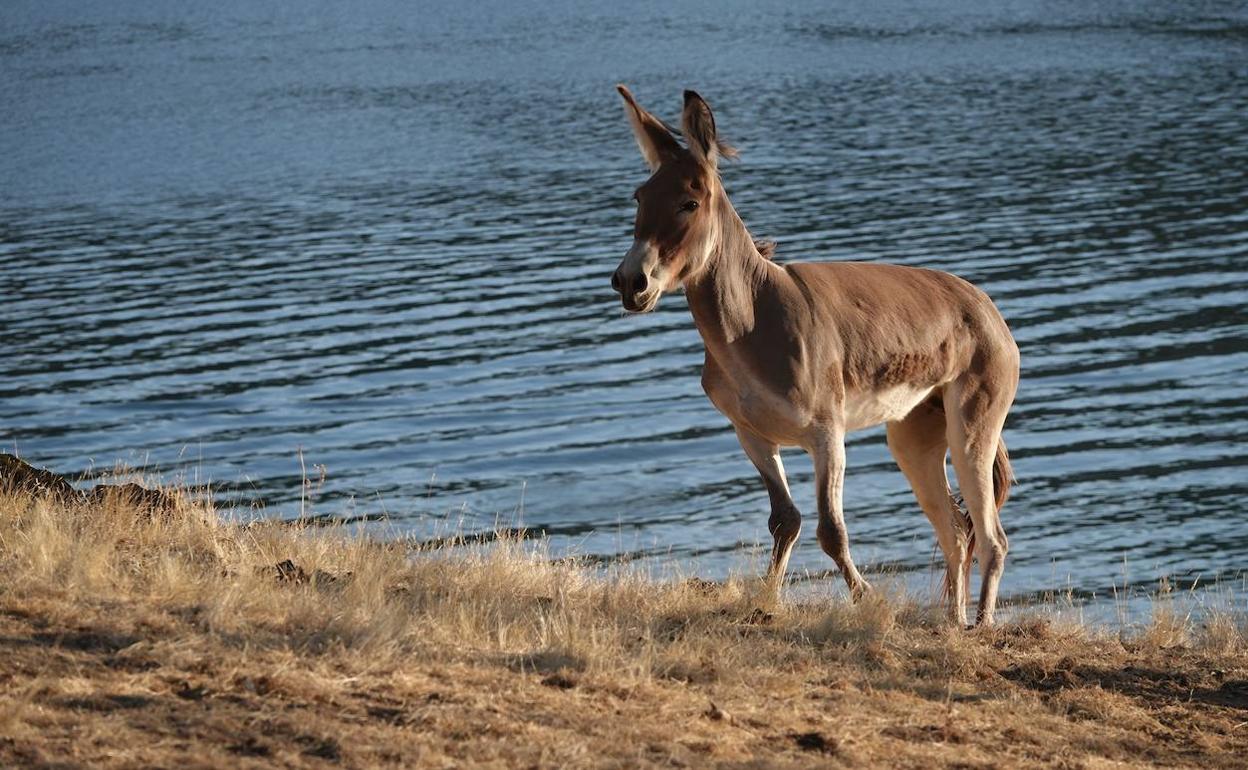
{"x":752,"y":403}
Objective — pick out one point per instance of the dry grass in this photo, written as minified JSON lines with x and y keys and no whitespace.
{"x":132,"y":640}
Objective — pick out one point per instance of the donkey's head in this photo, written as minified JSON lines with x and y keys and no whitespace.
{"x":678,"y":207}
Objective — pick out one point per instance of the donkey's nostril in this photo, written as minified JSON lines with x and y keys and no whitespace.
{"x":615,"y":282}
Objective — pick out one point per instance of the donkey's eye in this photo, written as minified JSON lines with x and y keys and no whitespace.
{"x":688,"y":205}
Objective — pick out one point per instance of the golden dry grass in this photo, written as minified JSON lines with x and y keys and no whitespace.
{"x":131,"y":640}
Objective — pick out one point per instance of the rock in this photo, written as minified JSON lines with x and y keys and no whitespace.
{"x":704,"y":587}
{"x":717,"y":714}
{"x":154,"y":502}
{"x":17,"y":475}
{"x":289,"y":572}
{"x":187,"y":691}
{"x":559,"y":681}
{"x":759,"y":617}
{"x":815,"y":741}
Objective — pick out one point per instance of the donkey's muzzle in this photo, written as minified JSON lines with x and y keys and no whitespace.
{"x":635,"y":278}
{"x":628,"y":286}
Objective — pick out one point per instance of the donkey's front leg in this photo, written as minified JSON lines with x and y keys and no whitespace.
{"x":828,"y":452}
{"x":786,"y":522}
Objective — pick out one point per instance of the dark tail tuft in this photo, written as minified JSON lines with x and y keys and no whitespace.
{"x":966,"y":525}
{"x":1002,"y":479}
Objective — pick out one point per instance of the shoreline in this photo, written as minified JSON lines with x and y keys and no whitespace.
{"x":1110,"y":606}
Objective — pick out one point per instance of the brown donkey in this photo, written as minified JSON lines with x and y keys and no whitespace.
{"x":799,"y":354}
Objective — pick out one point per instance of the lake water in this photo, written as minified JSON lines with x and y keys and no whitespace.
{"x":379,"y":236}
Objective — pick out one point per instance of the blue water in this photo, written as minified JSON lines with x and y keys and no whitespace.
{"x":247,"y":244}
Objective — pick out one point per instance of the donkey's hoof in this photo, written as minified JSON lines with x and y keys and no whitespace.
{"x":857,"y":592}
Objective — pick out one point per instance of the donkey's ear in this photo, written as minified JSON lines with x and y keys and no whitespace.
{"x":653,"y":139}
{"x":698,"y":125}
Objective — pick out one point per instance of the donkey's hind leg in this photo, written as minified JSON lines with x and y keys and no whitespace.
{"x":975,"y":415}
{"x":785,"y":522}
{"x":919,"y":445}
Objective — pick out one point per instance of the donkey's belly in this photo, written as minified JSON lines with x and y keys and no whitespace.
{"x":866,"y":408}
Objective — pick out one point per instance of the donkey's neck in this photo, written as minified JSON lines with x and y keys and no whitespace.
{"x":722,"y":296}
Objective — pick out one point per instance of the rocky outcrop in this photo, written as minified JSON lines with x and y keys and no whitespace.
{"x":131,"y":495}
{"x":19,"y":476}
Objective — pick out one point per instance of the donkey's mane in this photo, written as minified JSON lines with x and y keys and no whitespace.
{"x":767,"y":249}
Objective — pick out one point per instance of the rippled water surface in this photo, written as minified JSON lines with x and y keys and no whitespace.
{"x":381,"y":236}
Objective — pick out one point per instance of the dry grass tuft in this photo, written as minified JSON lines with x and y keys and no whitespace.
{"x":1222,"y":633}
{"x":137,"y":637}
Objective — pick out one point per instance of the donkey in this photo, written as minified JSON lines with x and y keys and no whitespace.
{"x":799,"y":354}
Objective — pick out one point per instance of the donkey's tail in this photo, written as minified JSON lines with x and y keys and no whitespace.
{"x":1002,"y":479}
